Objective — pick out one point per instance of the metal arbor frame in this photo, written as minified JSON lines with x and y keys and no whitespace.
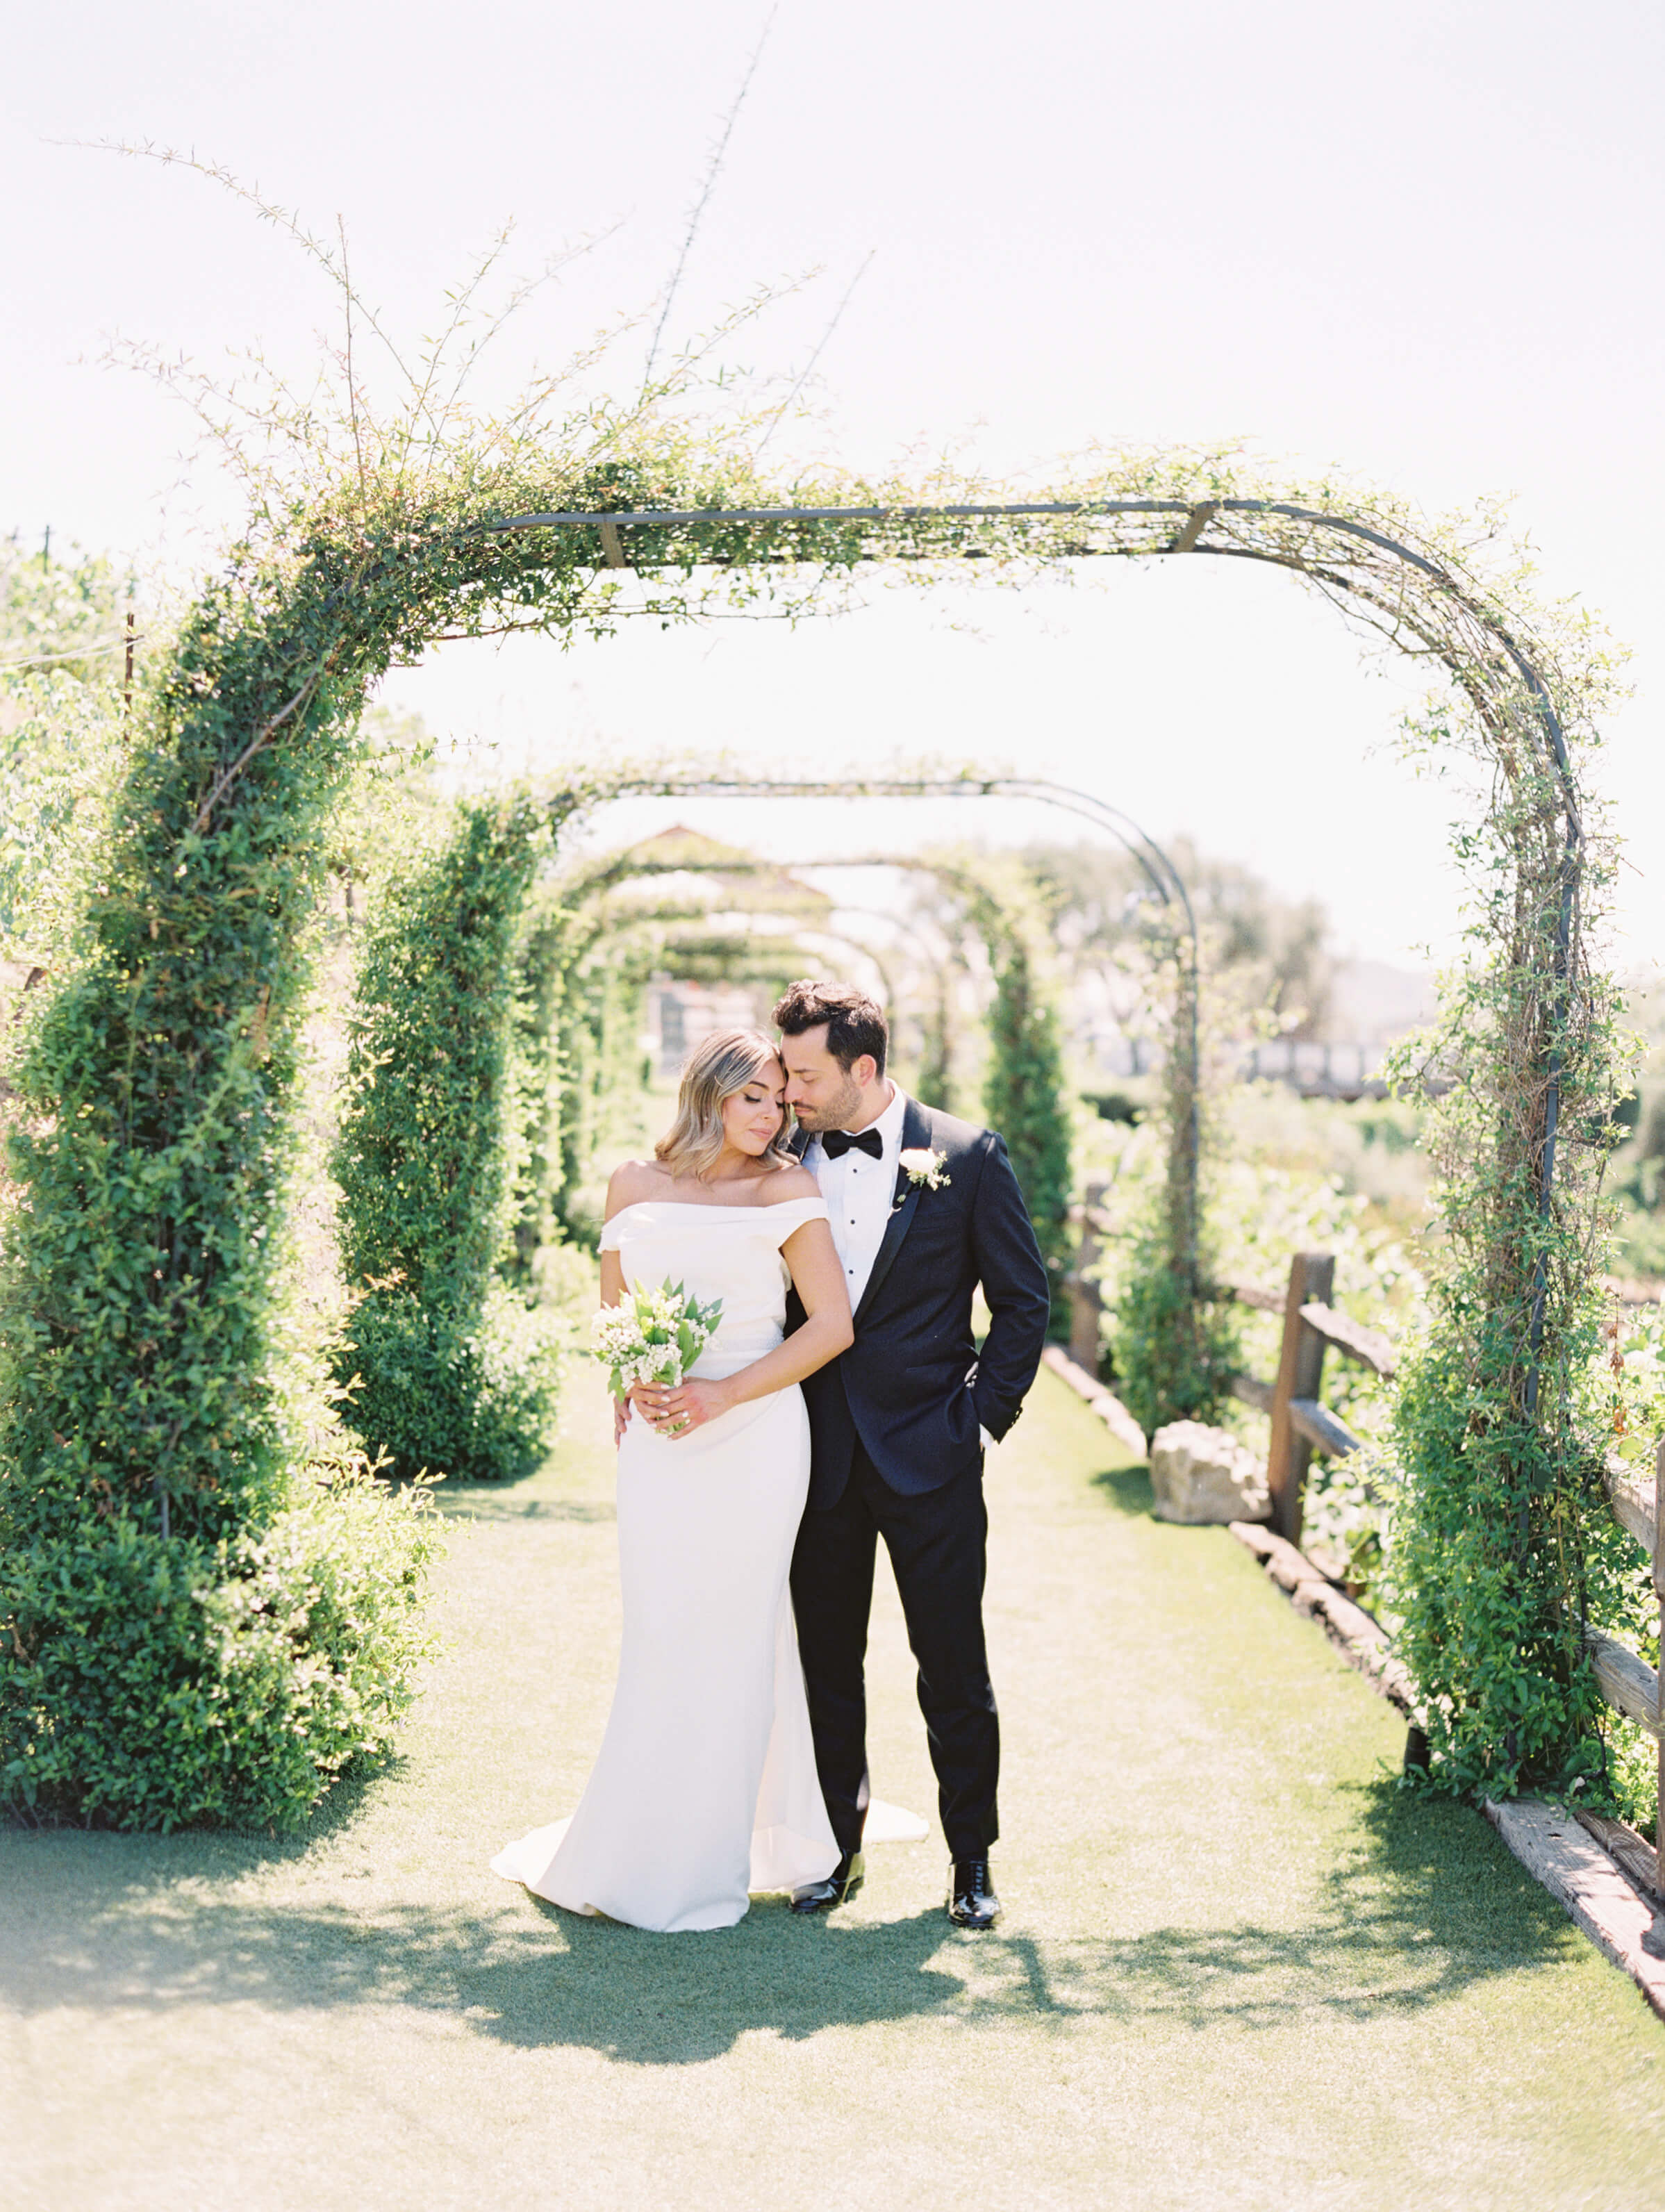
{"x":1365,"y":572}
{"x":277,"y":657}
{"x":1159,"y":870}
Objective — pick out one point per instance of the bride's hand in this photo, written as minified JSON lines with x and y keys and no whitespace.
{"x":620,"y":1420}
{"x":679,"y":1411}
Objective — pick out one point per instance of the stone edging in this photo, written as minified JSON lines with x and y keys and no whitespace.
{"x":1362,"y":1642}
{"x":1585,"y":1879}
{"x":1588,"y":1885}
{"x":1105,"y":1403}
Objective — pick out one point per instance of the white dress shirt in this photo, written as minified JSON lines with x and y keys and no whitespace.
{"x":859,"y":1191}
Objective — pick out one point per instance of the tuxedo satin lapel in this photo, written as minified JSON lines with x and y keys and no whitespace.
{"x":915,"y":1135}
{"x":798,"y":1142}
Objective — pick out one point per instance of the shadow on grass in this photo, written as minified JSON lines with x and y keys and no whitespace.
{"x":1127,"y":1488}
{"x":1424,"y":1904}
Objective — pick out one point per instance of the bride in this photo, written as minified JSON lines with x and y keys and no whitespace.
{"x":704,"y":1788}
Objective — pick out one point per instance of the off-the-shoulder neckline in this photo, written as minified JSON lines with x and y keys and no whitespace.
{"x":705,"y":1206}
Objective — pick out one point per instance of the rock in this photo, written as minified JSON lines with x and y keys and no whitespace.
{"x":1202,"y":1474}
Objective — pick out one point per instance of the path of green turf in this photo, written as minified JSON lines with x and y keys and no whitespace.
{"x":1237,"y":1968}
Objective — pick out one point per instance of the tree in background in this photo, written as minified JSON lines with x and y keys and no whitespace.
{"x":1174,"y":1351}
{"x":1025,"y":1095}
{"x":933,"y":1082}
{"x":676,"y":904}
{"x":1268,"y":951}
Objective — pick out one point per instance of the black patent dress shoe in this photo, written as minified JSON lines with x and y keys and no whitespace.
{"x":971,"y":1899}
{"x":840,"y":1887}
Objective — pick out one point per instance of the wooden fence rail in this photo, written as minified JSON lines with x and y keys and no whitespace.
{"x":1301,"y":1423}
{"x":1626,"y":1680}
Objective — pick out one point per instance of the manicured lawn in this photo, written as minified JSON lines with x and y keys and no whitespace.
{"x":1237,"y":1968}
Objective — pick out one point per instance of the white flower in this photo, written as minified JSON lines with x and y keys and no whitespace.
{"x":923,"y":1166}
{"x":652,"y":1335}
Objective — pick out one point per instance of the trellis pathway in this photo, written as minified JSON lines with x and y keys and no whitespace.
{"x":1238,"y":1968}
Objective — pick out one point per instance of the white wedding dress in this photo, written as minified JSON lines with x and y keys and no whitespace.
{"x":704,"y":1788}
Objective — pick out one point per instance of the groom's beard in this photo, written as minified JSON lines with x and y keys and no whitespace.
{"x":834,"y":1113}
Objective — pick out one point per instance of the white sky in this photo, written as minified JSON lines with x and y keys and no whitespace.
{"x":1419,"y":241}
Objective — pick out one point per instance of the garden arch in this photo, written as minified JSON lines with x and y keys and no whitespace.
{"x":579,"y":938}
{"x":999,"y":930}
{"x":1169,"y":886}
{"x":141,"y":1325}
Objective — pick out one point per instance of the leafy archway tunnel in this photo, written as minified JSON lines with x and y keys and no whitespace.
{"x":146,"y":1413}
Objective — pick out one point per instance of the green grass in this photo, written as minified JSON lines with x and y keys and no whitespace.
{"x":1238,"y":1968}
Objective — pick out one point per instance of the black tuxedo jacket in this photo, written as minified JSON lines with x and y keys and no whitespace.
{"x":913,"y":1386}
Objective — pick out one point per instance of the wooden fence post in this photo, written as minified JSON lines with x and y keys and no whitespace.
{"x":1300,"y":1371}
{"x":1085,"y":1302}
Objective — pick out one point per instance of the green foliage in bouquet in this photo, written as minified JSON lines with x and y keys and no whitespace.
{"x":653,"y":1336}
{"x":447,"y":1367}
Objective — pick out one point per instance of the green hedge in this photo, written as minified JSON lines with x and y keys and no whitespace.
{"x":449,"y":1370}
{"x":1174,"y":1357}
{"x":156,"y":1682}
{"x":188,"y":1629}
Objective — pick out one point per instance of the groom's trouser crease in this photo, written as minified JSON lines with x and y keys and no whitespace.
{"x":938,"y":1544}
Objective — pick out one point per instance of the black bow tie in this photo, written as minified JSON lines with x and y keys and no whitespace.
{"x":837,"y":1142}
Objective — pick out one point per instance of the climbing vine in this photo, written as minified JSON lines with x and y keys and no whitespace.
{"x":1175,"y":1348}
{"x":449,"y":1369}
{"x":1501,"y":1512}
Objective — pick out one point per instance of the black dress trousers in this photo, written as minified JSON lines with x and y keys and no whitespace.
{"x":938,"y":1545}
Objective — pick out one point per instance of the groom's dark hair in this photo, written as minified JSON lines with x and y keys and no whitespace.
{"x":854,"y":1022}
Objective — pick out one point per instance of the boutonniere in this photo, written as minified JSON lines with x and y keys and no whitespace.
{"x":923,"y":1167}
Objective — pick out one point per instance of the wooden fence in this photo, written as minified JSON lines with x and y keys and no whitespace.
{"x":1627,"y":1681}
{"x":1301,"y":1423}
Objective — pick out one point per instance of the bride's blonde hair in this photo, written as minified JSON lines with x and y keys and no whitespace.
{"x":718,"y":1067}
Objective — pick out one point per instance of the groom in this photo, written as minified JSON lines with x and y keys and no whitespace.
{"x":924,"y":1208}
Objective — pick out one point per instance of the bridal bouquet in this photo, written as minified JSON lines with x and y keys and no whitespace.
{"x":653,"y":1336}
